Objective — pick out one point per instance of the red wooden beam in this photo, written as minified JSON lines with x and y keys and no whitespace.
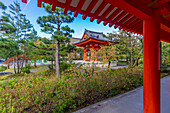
{"x":48,"y":1}
{"x":105,"y":23}
{"x":75,"y":13}
{"x":54,"y":4}
{"x":123,"y":20}
{"x":134,"y":7}
{"x":129,"y":21}
{"x":79,"y":6}
{"x":24,"y":1}
{"x":115,"y":13}
{"x":160,"y":3}
{"x":139,"y":28}
{"x":92,"y":19}
{"x":134,"y":23}
{"x":124,"y":29}
{"x":100,"y":8}
{"x":119,"y":17}
{"x":68,"y":2}
{"x":39,"y":3}
{"x":165,"y":36}
{"x":131,"y":31}
{"x":127,"y":30}
{"x":84,"y":16}
{"x":90,"y":7}
{"x":120,"y":27}
{"x":107,"y":11}
{"x":98,"y":21}
{"x":139,"y":24}
{"x":165,"y":22}
{"x":111,"y":24}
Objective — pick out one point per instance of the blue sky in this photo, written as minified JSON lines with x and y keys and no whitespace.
{"x":33,"y":12}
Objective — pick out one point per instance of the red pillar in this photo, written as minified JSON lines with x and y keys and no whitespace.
{"x":151,"y":69}
{"x":92,"y":53}
{"x":85,"y":54}
{"x":95,"y":54}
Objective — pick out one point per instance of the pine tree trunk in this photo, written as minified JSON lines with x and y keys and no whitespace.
{"x":57,"y":60}
{"x":8,"y":65}
{"x":17,"y":64}
{"x":52,"y":64}
{"x":26,"y":62}
{"x":127,"y":60}
{"x":14,"y":65}
{"x":23,"y":59}
{"x":22,"y":63}
{"x":137,"y":62}
{"x":109,"y":64}
{"x":35,"y":65}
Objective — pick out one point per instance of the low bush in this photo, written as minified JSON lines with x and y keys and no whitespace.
{"x":76,"y":88}
{"x":64,"y":65}
{"x":26,"y":69}
{"x":2,"y":68}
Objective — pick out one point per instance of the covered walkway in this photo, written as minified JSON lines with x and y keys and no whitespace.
{"x":130,"y":102}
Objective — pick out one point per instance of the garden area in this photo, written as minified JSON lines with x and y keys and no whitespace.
{"x":62,"y":86}
{"x":41,"y":91}
{"x":78,"y":87}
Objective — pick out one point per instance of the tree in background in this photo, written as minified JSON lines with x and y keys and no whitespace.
{"x":28,"y":48}
{"x":52,"y":24}
{"x":165,"y":54}
{"x":80,"y":51}
{"x":15,"y":27}
{"x":8,"y":49}
{"x":43,"y":48}
{"x":108,"y":53}
{"x":130,"y":47}
{"x":2,"y":6}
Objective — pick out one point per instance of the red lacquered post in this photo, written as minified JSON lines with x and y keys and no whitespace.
{"x":151,"y":69}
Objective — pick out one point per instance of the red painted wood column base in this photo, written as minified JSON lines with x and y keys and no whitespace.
{"x":85,"y":54}
{"x":151,"y":71}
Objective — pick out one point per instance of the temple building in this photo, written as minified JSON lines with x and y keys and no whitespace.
{"x":94,"y":40}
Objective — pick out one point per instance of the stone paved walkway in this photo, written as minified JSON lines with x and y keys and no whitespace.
{"x":130,"y":102}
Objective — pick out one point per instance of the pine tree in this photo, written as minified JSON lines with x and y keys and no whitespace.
{"x":2,"y":6}
{"x":52,"y":24}
{"x":15,"y":27}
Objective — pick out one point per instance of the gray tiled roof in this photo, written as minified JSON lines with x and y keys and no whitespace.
{"x":94,"y":35}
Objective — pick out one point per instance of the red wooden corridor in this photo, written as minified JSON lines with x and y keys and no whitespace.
{"x":150,"y":18}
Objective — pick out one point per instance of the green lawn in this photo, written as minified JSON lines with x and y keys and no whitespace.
{"x":32,"y":67}
{"x":5,"y":79}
